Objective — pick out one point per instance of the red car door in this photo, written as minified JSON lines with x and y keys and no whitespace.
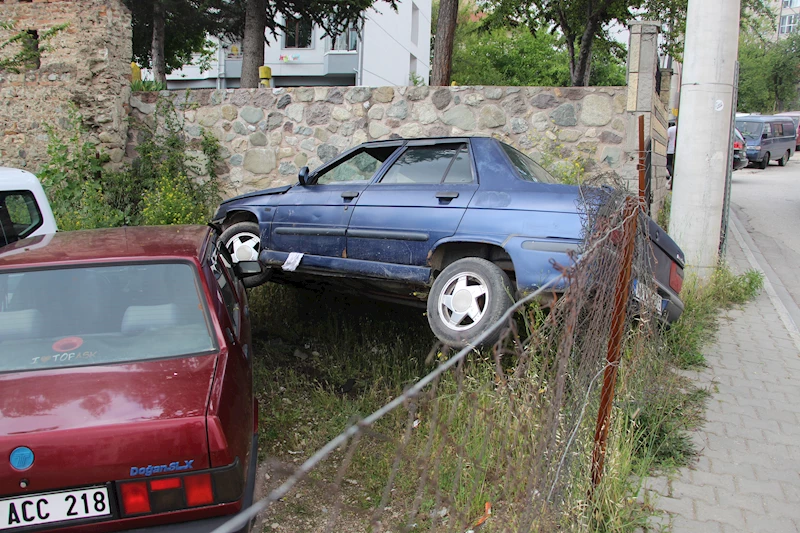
{"x":230,"y":407}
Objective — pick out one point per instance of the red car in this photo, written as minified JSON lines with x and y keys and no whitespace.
{"x":126,"y":388}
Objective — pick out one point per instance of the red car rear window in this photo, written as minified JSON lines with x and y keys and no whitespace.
{"x":101,"y":314}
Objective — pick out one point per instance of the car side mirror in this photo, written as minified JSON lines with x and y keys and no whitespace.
{"x":764,"y":135}
{"x":303,"y":175}
{"x":244,"y":269}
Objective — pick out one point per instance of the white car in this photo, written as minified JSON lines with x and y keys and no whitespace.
{"x":24,"y":209}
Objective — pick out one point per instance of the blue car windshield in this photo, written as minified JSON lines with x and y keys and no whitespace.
{"x":66,"y":317}
{"x":750,"y":129}
{"x":528,"y":169}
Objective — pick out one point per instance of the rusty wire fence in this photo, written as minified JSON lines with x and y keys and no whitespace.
{"x":507,"y":439}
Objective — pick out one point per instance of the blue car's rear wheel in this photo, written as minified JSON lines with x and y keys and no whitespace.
{"x":466,"y":299}
{"x":243,"y":241}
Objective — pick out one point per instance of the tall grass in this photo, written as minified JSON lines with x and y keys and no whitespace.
{"x":325,"y":359}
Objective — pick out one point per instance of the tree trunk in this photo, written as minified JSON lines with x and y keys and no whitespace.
{"x":579,"y":70}
{"x":443,"y":45}
{"x":255,"y":25}
{"x":158,"y":60}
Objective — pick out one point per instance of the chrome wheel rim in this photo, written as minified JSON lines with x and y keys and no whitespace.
{"x":463,"y":301}
{"x":244,"y":247}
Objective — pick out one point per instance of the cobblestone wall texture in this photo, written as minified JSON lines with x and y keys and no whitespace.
{"x":89,"y":66}
{"x":268,"y":134}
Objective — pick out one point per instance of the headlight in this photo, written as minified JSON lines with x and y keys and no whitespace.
{"x":754,"y":147}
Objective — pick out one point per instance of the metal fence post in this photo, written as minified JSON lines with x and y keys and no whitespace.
{"x":621,"y":292}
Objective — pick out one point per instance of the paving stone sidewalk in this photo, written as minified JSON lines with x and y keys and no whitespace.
{"x":747,"y":477}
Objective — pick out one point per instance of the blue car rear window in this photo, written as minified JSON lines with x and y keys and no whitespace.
{"x":528,"y":169}
{"x":101,"y":314}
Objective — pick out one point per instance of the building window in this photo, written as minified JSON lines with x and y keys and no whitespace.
{"x":414,"y":23}
{"x":791,"y":3}
{"x":298,"y":34}
{"x":789,"y":23}
{"x":346,"y":41}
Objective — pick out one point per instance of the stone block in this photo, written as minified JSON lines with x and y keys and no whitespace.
{"x":569,"y":135}
{"x":383,"y":95}
{"x":377,"y":130}
{"x":441,"y":98}
{"x":258,"y":139}
{"x":596,"y":110}
{"x":491,"y":116}
{"x":251,"y":115}
{"x":564,"y":115}
{"x":414,"y":94}
{"x":260,"y":161}
{"x":461,"y":117}
{"x":318,"y":114}
{"x":398,"y":110}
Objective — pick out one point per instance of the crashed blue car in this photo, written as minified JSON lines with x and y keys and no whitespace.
{"x":461,"y":225}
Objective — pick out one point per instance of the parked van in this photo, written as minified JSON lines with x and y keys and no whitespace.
{"x":24,"y":209}
{"x":795,"y":116}
{"x":768,"y":137}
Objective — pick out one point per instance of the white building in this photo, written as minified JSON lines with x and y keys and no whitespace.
{"x":788,"y":12}
{"x":392,"y":48}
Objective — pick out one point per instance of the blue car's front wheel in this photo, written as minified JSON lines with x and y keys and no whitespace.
{"x":243,"y":241}
{"x":466,"y":299}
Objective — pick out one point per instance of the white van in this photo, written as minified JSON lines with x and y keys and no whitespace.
{"x":24,"y":209}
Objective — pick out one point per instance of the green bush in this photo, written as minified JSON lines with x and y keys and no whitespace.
{"x":172,"y":202}
{"x":163,"y":185}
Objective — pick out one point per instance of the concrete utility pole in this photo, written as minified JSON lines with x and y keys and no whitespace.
{"x":704,"y":125}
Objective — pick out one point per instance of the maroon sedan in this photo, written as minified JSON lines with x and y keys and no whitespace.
{"x":126,"y":388}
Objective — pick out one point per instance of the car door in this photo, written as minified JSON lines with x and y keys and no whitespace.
{"x":313,"y":218}
{"x":234,"y":381}
{"x":419,"y":200}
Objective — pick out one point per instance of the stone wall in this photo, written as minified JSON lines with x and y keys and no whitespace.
{"x":268,"y":134}
{"x":89,"y":66}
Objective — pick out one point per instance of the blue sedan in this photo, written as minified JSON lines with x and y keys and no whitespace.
{"x":460,"y":224}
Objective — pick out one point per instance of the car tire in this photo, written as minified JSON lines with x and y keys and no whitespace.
{"x":782,"y":161}
{"x":482,"y":294}
{"x":245,"y":234}
{"x":765,"y":161}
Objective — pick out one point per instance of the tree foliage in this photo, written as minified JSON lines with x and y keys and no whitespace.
{"x":580,"y":23}
{"x":512,"y":55}
{"x":769,"y":74}
{"x":756,"y":17}
{"x":189,"y":22}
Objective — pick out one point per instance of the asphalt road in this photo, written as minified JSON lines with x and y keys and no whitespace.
{"x":767,"y":202}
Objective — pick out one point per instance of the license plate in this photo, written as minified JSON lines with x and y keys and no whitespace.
{"x":26,"y":511}
{"x":647,"y":296}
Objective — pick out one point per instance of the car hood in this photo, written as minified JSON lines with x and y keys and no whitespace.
{"x":255,"y":194}
{"x":96,"y":423}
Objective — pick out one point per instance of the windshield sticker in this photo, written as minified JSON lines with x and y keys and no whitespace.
{"x":67,"y":344}
{"x":149,"y":470}
{"x":62,"y":357}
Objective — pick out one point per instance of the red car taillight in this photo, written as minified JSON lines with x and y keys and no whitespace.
{"x":737,"y":145}
{"x":675,"y":278}
{"x":174,"y":493}
{"x":198,"y":490}
{"x":135,"y":499}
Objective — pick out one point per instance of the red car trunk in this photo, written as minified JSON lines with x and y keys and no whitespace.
{"x":90,"y":425}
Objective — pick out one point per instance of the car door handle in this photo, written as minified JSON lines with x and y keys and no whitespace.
{"x":349,"y":195}
{"x":446,"y":195}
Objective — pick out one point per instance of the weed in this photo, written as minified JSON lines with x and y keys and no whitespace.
{"x":697,"y":324}
{"x":147,"y":86}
